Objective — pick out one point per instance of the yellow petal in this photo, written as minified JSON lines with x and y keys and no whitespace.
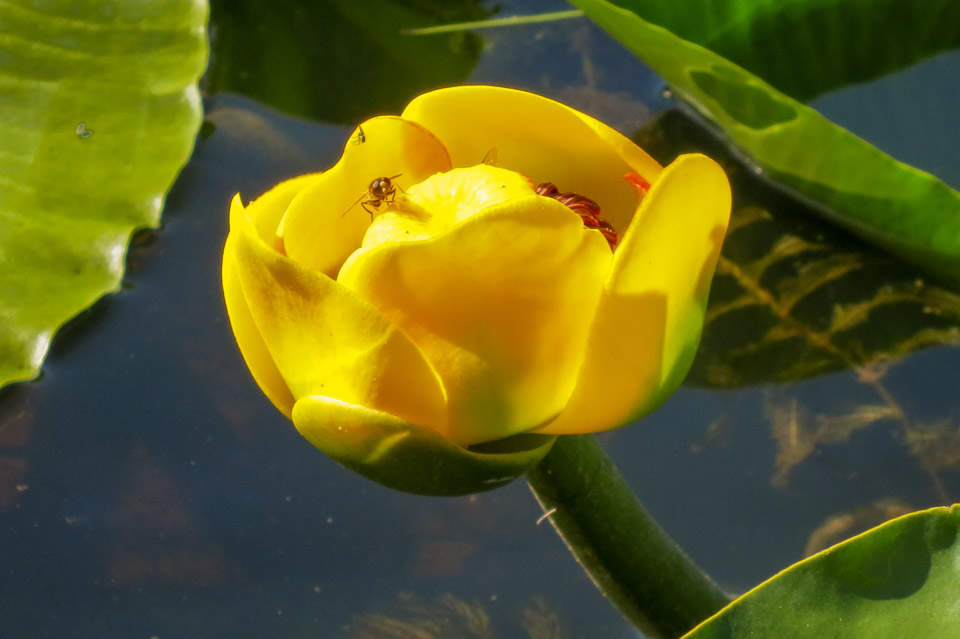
{"x":542,"y":139}
{"x":254,"y":351}
{"x":444,"y":200}
{"x":650,"y":318}
{"x":267,"y":210}
{"x":500,"y":304}
{"x":325,"y":222}
{"x":324,"y":339}
{"x":407,"y":456}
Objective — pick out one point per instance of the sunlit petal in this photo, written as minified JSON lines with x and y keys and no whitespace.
{"x":649,"y":320}
{"x":267,"y":210}
{"x":540,"y":138}
{"x":324,"y":339}
{"x":251,"y":344}
{"x":326,"y":221}
{"x":500,"y":304}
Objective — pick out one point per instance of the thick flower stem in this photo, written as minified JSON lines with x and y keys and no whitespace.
{"x":626,"y":553}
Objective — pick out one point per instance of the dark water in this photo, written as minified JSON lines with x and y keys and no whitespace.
{"x":147,"y":489}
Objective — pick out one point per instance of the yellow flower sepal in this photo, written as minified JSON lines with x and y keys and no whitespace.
{"x":412,"y":458}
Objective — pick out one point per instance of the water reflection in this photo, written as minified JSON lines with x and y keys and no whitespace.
{"x":447,"y":617}
{"x":148,"y":489}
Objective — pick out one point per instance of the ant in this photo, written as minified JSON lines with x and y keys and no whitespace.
{"x":381,"y":191}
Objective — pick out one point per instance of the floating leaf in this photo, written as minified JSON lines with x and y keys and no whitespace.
{"x":807,"y":48}
{"x":904,"y":210}
{"x":98,"y":113}
{"x":899,"y":579}
{"x":341,"y":60}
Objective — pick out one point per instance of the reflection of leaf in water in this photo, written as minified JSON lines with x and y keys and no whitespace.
{"x":448,"y":617}
{"x":157,"y":540}
{"x":342,"y":60}
{"x":793,"y":296}
{"x":935,"y":444}
{"x":542,"y":622}
{"x":12,"y":473}
{"x":845,"y":525}
{"x":16,"y":424}
{"x":716,"y":435}
{"x":796,"y":438}
{"x":790,"y":302}
{"x":837,"y":428}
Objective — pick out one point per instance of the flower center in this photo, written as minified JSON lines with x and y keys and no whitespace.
{"x":587,"y":209}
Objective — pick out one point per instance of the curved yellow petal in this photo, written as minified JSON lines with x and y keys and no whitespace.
{"x":251,"y":344}
{"x":326,"y":221}
{"x":500,"y":304}
{"x":649,"y":320}
{"x":265,"y":213}
{"x":444,"y":200}
{"x":540,"y":138}
{"x":410,"y":457}
{"x":267,"y":210}
{"x":324,"y":339}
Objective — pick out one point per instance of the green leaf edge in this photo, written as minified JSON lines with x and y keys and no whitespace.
{"x":24,"y":345}
{"x":934,"y":523}
{"x":936,"y":246}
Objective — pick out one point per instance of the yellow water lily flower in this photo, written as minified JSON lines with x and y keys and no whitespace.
{"x":488,"y":270}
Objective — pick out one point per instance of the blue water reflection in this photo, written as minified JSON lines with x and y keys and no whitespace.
{"x":152,"y":491}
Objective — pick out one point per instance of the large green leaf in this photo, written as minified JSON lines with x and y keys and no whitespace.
{"x":807,"y":47}
{"x":98,"y":112}
{"x":897,"y":580}
{"x":904,"y":210}
{"x":341,"y":60}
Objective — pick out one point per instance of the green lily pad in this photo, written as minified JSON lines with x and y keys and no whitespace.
{"x":906,"y":211}
{"x":897,"y":580}
{"x":98,"y":113}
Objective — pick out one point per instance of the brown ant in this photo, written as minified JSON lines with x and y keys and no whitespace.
{"x":381,"y":191}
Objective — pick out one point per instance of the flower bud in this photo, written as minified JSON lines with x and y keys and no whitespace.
{"x":432,"y":320}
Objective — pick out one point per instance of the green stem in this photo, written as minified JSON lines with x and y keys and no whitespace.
{"x":623,"y":549}
{"x":511,"y":21}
